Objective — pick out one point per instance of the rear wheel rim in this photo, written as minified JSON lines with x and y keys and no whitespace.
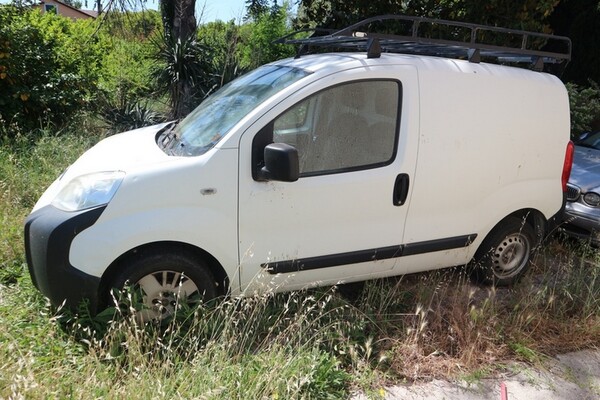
{"x":511,"y":255}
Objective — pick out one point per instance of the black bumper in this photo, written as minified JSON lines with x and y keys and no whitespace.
{"x":49,"y":233}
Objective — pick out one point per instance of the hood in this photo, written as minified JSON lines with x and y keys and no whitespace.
{"x":120,"y":152}
{"x":586,"y":169}
{"x":123,"y":152}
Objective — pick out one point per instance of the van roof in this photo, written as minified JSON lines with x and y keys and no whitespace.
{"x":441,"y":38}
{"x":327,"y":63}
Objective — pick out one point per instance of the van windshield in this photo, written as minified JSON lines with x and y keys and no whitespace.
{"x":215,"y":116}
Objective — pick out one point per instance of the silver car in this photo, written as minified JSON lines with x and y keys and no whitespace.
{"x":582,"y":210}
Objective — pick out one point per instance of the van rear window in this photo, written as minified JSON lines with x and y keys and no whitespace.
{"x":212,"y":119}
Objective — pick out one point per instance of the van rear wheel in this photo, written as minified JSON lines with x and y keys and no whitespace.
{"x":164,"y":281}
{"x":505,"y":254}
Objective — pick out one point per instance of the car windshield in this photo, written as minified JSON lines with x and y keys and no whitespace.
{"x":591,"y":140}
{"x":213,"y":118}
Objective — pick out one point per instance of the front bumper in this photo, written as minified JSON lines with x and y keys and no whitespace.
{"x":582,"y":221}
{"x":49,"y":233}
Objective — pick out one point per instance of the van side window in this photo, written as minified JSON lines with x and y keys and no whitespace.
{"x":347,"y":127}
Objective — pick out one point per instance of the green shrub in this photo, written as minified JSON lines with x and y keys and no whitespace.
{"x":132,"y":25}
{"x":585,"y":108}
{"x":48,"y":68}
{"x":224,"y":39}
{"x":126,"y":72}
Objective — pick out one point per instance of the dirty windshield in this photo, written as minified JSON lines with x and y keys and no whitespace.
{"x":214,"y":117}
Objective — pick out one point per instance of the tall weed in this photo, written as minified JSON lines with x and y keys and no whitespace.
{"x":26,"y":170}
{"x":310,"y":344}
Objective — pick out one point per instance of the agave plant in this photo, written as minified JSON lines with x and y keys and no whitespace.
{"x":124,"y":114}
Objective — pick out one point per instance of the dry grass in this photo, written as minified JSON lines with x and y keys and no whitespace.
{"x":311,"y":344}
{"x":458,"y":327}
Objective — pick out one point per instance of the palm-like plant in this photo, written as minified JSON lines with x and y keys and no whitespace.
{"x":186,"y":70}
{"x":185,"y":74}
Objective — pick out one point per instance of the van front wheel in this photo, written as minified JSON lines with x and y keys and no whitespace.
{"x":161,"y":282}
{"x":505,"y":254}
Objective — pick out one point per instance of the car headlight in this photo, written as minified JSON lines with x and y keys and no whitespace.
{"x":592,"y":199}
{"x":87,"y":191}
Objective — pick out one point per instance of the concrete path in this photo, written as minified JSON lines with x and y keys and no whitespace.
{"x":568,"y":376}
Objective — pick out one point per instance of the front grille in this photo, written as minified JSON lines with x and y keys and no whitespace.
{"x":572,"y":192}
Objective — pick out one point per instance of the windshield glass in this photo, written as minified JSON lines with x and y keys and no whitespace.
{"x":591,"y":140}
{"x":214,"y":117}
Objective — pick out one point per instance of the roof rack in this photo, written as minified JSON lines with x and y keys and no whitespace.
{"x":442,"y":38}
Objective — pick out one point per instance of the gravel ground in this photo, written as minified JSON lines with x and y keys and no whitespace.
{"x":568,"y":376}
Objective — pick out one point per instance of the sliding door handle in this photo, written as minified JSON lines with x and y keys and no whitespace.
{"x":401,"y":189}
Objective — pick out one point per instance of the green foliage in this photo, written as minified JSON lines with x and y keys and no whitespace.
{"x":528,"y":15}
{"x":258,"y":47}
{"x":236,"y":49}
{"x":127,"y":70}
{"x":585,"y":108}
{"x":48,"y":68}
{"x":73,"y":3}
{"x":309,"y":344}
{"x":225,"y":40}
{"x":256,"y":8}
{"x":126,"y":99}
{"x":130,"y":25}
{"x":25,"y":171}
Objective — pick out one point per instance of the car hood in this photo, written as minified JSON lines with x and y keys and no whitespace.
{"x":120,"y":152}
{"x":123,"y":152}
{"x":586,"y":169}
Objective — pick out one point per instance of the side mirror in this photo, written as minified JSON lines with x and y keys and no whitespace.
{"x":281,"y":163}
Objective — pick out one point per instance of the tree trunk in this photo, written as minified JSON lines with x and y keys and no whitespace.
{"x":179,"y":21}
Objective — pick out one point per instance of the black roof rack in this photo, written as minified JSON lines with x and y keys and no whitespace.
{"x":442,"y":38}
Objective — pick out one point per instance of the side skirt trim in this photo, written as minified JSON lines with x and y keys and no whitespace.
{"x":360,"y":256}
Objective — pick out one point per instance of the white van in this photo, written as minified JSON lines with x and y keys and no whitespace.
{"x":317,"y":170}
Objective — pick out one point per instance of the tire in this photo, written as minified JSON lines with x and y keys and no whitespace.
{"x":162,"y":280}
{"x":505,"y":254}
{"x":351,"y":292}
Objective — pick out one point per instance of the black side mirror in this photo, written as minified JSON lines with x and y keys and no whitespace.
{"x":281,"y":163}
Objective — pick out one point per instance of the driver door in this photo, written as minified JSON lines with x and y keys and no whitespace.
{"x":341,"y":221}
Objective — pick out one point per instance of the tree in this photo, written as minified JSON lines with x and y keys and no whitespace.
{"x":256,"y":8}
{"x":517,"y":14}
{"x":580,"y":21}
{"x":184,"y":58}
{"x":186,"y":75}
{"x":257,"y":47}
{"x":179,"y":18}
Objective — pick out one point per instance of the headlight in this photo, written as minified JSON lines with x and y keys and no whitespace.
{"x":592,"y":199}
{"x":87,"y":191}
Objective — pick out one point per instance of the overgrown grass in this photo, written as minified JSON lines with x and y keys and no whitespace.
{"x":311,"y":344}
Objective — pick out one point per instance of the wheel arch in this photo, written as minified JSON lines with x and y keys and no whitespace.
{"x":504,"y":255}
{"x":531,"y":216}
{"x":162,"y":247}
{"x":535,"y":219}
